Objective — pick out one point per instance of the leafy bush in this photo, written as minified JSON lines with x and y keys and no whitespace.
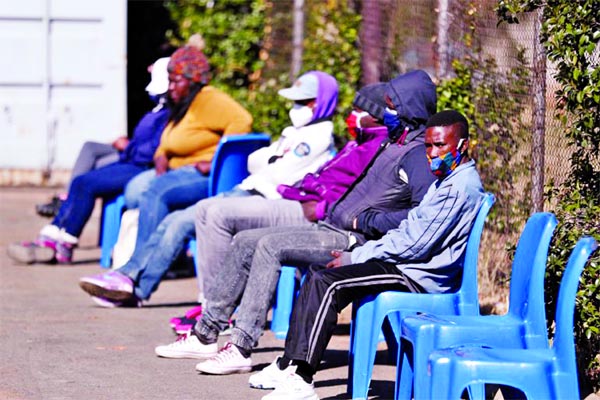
{"x":578,"y":215}
{"x":493,"y":103}
{"x":238,"y":36}
{"x":571,"y":33}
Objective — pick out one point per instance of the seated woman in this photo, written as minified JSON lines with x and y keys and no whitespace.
{"x":94,"y":155}
{"x":56,"y":241}
{"x":201,"y":115}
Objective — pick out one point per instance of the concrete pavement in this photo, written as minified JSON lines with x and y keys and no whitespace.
{"x":55,"y":344}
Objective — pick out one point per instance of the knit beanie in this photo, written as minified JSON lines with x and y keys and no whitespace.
{"x":191,"y":63}
{"x":371,"y":99}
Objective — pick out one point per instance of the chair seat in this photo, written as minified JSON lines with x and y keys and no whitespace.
{"x":474,"y":365}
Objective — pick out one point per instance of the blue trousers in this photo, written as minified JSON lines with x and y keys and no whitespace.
{"x":102,"y":182}
{"x":173,"y":190}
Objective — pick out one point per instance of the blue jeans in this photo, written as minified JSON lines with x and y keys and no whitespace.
{"x":93,"y":155}
{"x":150,"y":262}
{"x":136,"y":187}
{"x":103,"y":182}
{"x":174,"y":190}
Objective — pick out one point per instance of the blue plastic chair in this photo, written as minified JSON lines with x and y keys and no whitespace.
{"x":110,"y":223}
{"x":370,"y":312}
{"x":523,"y":326}
{"x":229,"y":167}
{"x":540,"y":373}
{"x":287,"y":291}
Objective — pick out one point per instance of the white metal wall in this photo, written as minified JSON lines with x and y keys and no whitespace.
{"x":62,"y":79}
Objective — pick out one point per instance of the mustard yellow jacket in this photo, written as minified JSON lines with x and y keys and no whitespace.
{"x":211,"y":115}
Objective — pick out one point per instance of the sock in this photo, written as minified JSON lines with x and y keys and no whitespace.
{"x":283,"y":362}
{"x":244,"y":352}
{"x":201,"y":338}
{"x":304,"y":370}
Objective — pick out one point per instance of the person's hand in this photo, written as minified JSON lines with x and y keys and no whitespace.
{"x":161,"y":165}
{"x":203,"y":167}
{"x":337,"y":259}
{"x":308,"y":208}
{"x":120,"y":143}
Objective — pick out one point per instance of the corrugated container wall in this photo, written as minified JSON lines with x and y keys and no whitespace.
{"x":62,"y":80}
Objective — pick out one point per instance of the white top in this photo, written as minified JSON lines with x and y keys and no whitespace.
{"x":300,"y":150}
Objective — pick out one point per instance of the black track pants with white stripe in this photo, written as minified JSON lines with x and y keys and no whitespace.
{"x":324,"y":294}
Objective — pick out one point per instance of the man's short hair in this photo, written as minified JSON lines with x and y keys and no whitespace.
{"x":447,"y":118}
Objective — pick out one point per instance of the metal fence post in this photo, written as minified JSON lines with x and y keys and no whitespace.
{"x":539,"y":116}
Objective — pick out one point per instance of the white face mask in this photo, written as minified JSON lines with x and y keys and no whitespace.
{"x":300,"y":115}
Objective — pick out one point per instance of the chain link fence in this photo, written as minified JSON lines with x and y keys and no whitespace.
{"x":397,"y":36}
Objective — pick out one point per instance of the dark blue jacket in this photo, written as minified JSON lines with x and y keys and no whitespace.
{"x":146,"y":137}
{"x":399,"y":176}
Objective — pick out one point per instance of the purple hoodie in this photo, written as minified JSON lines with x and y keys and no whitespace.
{"x":327,"y":96}
{"x":335,"y":176}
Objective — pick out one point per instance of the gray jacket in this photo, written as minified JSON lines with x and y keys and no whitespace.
{"x":428,"y":246}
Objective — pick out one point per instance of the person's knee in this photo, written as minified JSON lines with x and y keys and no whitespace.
{"x":177,"y":226}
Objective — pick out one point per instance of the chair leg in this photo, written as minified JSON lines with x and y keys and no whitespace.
{"x":111,"y":223}
{"x":364,"y":348}
{"x":284,"y":301}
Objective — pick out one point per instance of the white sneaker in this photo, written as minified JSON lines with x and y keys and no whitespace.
{"x":268,"y":378}
{"x":187,"y":346}
{"x":293,"y":387}
{"x":229,"y":360}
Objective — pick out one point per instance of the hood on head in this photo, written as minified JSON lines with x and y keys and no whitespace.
{"x":327,"y":96}
{"x":415,"y":98}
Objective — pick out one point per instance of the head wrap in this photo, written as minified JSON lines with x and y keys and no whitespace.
{"x":191,"y":63}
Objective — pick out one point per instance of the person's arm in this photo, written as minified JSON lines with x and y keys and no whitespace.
{"x":421,"y":232}
{"x":414,"y":172}
{"x":120,"y":143}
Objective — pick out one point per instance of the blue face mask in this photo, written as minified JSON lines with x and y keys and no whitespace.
{"x":392,"y":121}
{"x":154,"y":97}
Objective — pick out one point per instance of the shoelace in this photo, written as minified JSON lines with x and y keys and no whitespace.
{"x":181,"y":341}
{"x":226,"y":353}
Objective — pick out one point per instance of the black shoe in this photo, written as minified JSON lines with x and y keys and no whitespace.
{"x":49,"y":210}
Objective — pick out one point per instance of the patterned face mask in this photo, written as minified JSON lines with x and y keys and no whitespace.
{"x":353,"y":122}
{"x":443,"y":165}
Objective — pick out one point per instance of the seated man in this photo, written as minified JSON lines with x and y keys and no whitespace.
{"x":423,"y":255}
{"x":395,"y":182}
{"x":301,"y":149}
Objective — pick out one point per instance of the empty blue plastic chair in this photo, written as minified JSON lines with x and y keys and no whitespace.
{"x":370,"y":312}
{"x":540,"y":373}
{"x":229,"y":167}
{"x":523,"y":326}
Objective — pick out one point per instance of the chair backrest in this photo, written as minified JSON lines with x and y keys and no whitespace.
{"x":563,"y":339}
{"x":527,"y":277}
{"x":230,"y":163}
{"x":469,"y":301}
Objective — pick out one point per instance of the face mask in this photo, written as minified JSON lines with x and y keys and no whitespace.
{"x":443,"y":165}
{"x":353,"y":122}
{"x":392,"y":121}
{"x":154,"y":97}
{"x":300,"y":115}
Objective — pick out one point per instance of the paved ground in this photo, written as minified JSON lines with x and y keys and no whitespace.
{"x":55,"y":344}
